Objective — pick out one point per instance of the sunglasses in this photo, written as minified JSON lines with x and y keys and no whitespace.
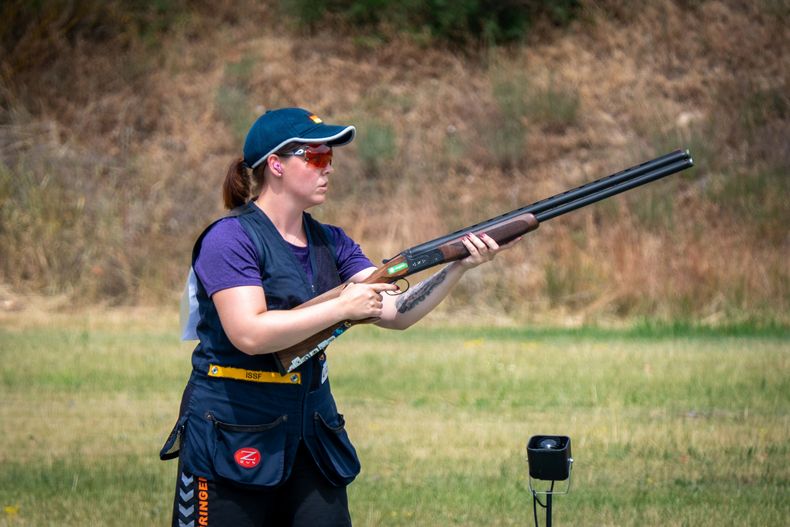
{"x":317,"y":156}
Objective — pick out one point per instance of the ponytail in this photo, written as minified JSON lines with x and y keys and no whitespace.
{"x":237,"y":185}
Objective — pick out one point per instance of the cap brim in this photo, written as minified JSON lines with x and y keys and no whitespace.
{"x":332,"y":135}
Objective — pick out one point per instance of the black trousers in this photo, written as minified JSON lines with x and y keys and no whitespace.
{"x":307,"y":499}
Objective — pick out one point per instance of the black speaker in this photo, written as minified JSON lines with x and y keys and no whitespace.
{"x":549,"y":457}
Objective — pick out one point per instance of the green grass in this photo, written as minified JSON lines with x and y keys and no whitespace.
{"x":670,"y":425}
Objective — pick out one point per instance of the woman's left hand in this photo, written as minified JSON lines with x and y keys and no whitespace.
{"x":481,"y":249}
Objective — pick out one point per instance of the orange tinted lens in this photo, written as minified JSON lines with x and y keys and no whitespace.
{"x":318,"y":156}
{"x":319,"y":160}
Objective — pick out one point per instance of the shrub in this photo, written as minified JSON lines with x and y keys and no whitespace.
{"x":455,"y":21}
{"x":232,"y":99}
{"x":376,"y":147}
{"x":522,"y":103}
{"x":554,"y":107}
{"x":507,"y":138}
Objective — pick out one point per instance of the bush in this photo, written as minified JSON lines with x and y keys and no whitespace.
{"x":377,"y":147}
{"x":554,"y":108}
{"x":507,"y":139}
{"x":232,"y":99}
{"x":522,"y":104}
{"x":455,"y":21}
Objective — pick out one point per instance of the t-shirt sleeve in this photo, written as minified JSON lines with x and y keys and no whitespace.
{"x":227,"y":258}
{"x":349,"y":256}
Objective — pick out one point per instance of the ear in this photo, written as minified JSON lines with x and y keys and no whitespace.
{"x":275,"y":165}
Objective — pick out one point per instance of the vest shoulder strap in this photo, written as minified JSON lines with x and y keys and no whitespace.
{"x":324,"y":234}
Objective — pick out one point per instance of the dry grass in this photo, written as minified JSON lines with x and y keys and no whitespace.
{"x":109,"y":173}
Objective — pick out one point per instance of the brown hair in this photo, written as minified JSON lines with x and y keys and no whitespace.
{"x":239,"y":185}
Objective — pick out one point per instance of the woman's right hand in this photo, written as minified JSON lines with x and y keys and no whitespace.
{"x":361,"y":301}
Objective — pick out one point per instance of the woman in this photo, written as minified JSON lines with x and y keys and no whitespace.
{"x":257,"y":448}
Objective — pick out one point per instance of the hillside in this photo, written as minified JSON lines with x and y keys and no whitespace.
{"x":116,"y":132}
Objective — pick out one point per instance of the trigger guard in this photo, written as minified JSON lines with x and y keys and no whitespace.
{"x":401,"y":289}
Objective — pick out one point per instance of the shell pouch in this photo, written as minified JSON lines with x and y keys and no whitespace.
{"x":252,"y":455}
{"x":337,"y":457}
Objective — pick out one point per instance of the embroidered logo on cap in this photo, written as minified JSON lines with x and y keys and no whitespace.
{"x":247,"y":457}
{"x":316,"y":119}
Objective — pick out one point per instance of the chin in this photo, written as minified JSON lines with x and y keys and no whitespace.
{"x":318,"y":200}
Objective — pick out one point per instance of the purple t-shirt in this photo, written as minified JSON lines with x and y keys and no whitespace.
{"x":228,"y":258}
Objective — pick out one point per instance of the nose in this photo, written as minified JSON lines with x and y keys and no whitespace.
{"x":328,"y":169}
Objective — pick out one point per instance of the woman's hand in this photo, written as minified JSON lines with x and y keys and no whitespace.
{"x":481,"y":249}
{"x":361,"y":301}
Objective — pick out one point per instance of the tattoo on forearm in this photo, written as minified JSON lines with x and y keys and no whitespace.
{"x":410,"y":299}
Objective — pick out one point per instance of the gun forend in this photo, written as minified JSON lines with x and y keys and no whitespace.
{"x":419,"y":258}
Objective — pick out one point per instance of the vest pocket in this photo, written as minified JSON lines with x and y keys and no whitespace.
{"x":251,"y":455}
{"x":337,"y":457}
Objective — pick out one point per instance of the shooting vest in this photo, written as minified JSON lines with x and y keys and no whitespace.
{"x":239,"y":419}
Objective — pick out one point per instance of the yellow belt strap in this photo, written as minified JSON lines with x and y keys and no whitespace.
{"x":240,"y":374}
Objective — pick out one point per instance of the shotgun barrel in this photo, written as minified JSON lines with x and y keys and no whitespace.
{"x":673,"y":159}
{"x":607,"y":192}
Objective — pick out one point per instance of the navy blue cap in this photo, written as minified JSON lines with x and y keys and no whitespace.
{"x":277,"y":128}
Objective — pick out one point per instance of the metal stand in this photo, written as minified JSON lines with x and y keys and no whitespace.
{"x":549,"y":493}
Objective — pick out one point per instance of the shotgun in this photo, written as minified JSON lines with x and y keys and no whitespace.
{"x":502,"y":229}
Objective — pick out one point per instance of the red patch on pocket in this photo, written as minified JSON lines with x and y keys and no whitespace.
{"x":247,"y":457}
